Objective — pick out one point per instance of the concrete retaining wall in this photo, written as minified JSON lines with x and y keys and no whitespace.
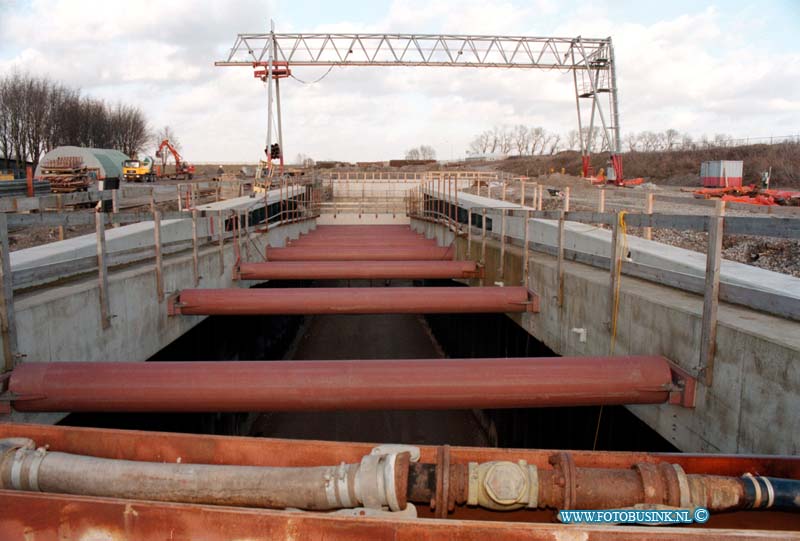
{"x":752,"y":404}
{"x":63,"y":323}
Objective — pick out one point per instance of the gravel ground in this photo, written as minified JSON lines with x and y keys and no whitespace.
{"x":773,"y":254}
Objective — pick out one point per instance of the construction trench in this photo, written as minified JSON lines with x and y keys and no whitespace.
{"x":370,"y":334}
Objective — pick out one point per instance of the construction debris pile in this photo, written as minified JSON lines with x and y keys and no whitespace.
{"x":751,"y":195}
{"x":68,"y":174}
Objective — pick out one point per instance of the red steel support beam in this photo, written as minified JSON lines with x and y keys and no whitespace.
{"x":353,"y":300}
{"x":368,"y":253}
{"x":377,"y":234}
{"x":340,"y":385}
{"x":308,"y":242}
{"x":353,"y":270}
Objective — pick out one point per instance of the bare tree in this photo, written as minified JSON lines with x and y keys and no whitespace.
{"x":5,"y":123}
{"x":38,"y":97}
{"x":522,"y":139}
{"x":129,"y":129}
{"x":480,"y":144}
{"x":494,"y":139}
{"x":422,"y":152}
{"x":671,"y":138}
{"x":506,"y":140}
{"x":552,"y":144}
{"x":167,"y":133}
{"x":574,"y":140}
{"x":427,"y":152}
{"x":722,"y":140}
{"x":631,"y":142}
{"x":37,"y":114}
{"x":538,"y":136}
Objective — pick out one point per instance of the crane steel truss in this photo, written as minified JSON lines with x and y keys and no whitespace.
{"x":591,"y":62}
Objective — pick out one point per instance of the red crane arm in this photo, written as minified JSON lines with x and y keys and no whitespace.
{"x":175,"y":154}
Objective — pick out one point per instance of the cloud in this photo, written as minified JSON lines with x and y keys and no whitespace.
{"x":704,"y":71}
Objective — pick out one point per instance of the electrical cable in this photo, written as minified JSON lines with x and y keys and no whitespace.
{"x":315,"y":80}
{"x":614,"y":313}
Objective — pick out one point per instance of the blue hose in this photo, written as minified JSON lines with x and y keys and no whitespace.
{"x":771,"y":493}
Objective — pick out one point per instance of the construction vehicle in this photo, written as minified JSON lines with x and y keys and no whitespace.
{"x":183,"y":169}
{"x":139,"y":170}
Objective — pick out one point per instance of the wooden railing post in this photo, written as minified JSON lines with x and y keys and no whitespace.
{"x":502,"y":268}
{"x":159,"y":261}
{"x":102,"y":270}
{"x":483,"y":237}
{"x":708,"y":336}
{"x":195,"y":255}
{"x":525,"y":253}
{"x":469,"y":233}
{"x":560,"y":260}
{"x":221,"y":223}
{"x":8,"y":324}
{"x":601,"y":200}
{"x":60,"y":207}
{"x":615,"y":274}
{"x":648,"y":209}
{"x":115,"y":203}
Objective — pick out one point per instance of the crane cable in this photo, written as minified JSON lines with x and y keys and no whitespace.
{"x":615,"y":310}
{"x":315,"y":80}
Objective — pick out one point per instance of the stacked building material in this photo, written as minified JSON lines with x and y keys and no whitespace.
{"x":68,"y":174}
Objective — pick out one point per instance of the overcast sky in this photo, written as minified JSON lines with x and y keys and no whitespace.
{"x":700,"y":67}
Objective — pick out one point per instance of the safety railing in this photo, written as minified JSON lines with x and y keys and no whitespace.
{"x":239,"y":226}
{"x":190,"y":194}
{"x":470,"y":219}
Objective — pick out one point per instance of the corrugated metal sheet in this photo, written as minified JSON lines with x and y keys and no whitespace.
{"x":108,"y":161}
{"x":721,"y":168}
{"x":721,"y":173}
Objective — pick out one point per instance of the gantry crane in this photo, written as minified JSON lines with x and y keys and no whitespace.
{"x":591,"y":61}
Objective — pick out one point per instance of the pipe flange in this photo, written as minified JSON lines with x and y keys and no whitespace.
{"x":670,"y":479}
{"x":564,"y":463}
{"x":652,"y":485}
{"x":382,"y":478}
{"x":683,"y":485}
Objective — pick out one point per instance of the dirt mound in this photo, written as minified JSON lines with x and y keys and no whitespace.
{"x":679,"y":167}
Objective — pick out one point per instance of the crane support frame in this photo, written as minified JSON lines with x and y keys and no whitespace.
{"x":590,"y":60}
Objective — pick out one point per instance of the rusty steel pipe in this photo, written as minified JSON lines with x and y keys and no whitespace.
{"x":339,"y":385}
{"x":353,"y":270}
{"x":379,"y":253}
{"x":362,"y":228}
{"x":355,"y":243}
{"x":352,"y":300}
{"x":376,"y":231}
{"x":364,"y":235}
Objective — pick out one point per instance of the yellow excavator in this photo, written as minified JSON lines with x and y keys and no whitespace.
{"x":139,"y":170}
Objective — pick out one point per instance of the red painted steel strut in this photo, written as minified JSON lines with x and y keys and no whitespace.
{"x":367,"y":253}
{"x":308,"y":242}
{"x":352,"y":270}
{"x":340,"y":385}
{"x":353,"y":300}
